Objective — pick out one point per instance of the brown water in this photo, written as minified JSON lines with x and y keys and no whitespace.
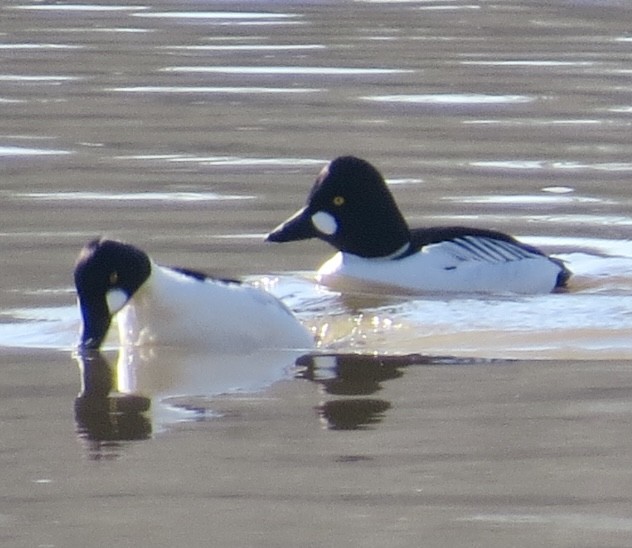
{"x":191,"y":129}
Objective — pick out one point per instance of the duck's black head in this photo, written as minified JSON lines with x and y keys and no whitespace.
{"x":350,"y":207}
{"x":107,"y":275}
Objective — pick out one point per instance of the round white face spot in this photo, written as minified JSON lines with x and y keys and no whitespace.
{"x":325,"y":223}
{"x":115,"y":299}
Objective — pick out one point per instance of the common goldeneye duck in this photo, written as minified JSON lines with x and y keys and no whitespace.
{"x":351,"y":207}
{"x":175,"y":307}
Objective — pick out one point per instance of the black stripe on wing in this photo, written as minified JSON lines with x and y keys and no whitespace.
{"x":480,"y":248}
{"x":475,"y":244}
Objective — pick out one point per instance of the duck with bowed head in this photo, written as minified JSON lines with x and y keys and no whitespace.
{"x":169,"y":306}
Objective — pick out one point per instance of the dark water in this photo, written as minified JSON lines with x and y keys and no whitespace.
{"x":191,"y":129}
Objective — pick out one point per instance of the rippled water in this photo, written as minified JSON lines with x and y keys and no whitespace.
{"x":191,"y":131}
{"x":193,"y":127}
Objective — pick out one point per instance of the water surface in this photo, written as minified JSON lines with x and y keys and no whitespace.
{"x":192,"y":129}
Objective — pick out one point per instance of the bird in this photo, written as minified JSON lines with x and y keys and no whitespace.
{"x":351,"y":207}
{"x":171,"y":306}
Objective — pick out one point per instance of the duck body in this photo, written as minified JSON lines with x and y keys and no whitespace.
{"x":351,"y":207}
{"x":159,"y":305}
{"x":469,"y":264}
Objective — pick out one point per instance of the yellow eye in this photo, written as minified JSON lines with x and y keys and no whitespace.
{"x":113,"y":278}
{"x":339,"y":200}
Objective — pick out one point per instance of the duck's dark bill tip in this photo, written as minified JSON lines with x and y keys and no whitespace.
{"x":297,"y":227}
{"x":276,"y":236}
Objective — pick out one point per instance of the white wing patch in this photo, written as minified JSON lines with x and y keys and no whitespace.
{"x":481,"y":249}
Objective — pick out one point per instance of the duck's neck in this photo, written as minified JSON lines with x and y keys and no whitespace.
{"x":386,"y":236}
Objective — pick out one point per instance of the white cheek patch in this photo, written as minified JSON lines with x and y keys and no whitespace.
{"x":325,"y":223}
{"x":115,"y":299}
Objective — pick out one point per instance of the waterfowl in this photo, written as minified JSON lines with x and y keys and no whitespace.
{"x":162,"y":305}
{"x":351,"y":207}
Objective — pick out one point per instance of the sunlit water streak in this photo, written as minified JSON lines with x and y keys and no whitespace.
{"x":451,"y":99}
{"x":16,"y":151}
{"x":248,"y":47}
{"x":45,"y":47}
{"x":231,"y":90}
{"x":169,"y":197}
{"x":77,"y":7}
{"x":226,"y":161}
{"x":522,"y":200}
{"x":33,"y":79}
{"x":290,"y":70}
{"x":226,"y":17}
{"x":559,"y":165}
{"x":530,"y":63}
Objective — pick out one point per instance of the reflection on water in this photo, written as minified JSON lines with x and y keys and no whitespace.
{"x":148,"y":390}
{"x":105,"y":416}
{"x":353,"y":374}
{"x":349,"y":376}
{"x":352,"y":414}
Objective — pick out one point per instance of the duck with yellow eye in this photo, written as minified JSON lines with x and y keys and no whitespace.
{"x":351,"y":207}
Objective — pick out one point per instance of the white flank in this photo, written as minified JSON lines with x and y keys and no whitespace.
{"x":173,"y":309}
{"x":449,"y":268}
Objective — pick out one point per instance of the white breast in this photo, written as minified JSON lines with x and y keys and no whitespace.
{"x":466,"y":265}
{"x":174,"y":309}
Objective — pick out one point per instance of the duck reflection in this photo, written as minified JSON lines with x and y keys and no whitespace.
{"x":354,"y":375}
{"x":349,"y":374}
{"x":103,"y":415}
{"x":352,"y":413}
{"x":147,"y":389}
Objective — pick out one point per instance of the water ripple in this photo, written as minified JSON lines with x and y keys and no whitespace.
{"x":247,"y":47}
{"x":130,"y":196}
{"x":303,"y":71}
{"x":451,"y":99}
{"x":562,"y":165}
{"x":27,"y":151}
{"x":77,"y":7}
{"x":236,"y":161}
{"x":232,"y":90}
{"x":230,"y":16}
